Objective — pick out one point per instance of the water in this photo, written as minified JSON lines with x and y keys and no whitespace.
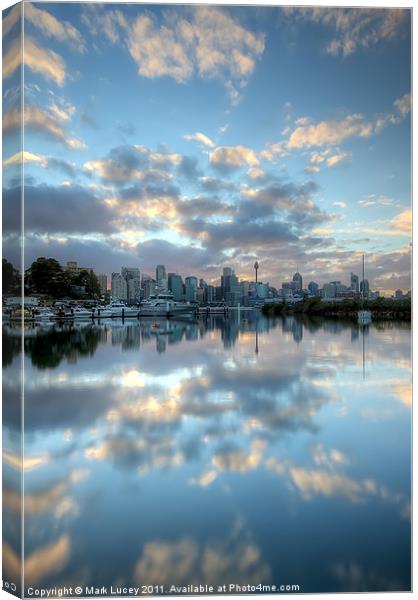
{"x":228,"y":451}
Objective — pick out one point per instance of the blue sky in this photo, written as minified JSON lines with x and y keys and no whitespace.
{"x":206,"y":136}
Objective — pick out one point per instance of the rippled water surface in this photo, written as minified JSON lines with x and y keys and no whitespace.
{"x":221,"y":451}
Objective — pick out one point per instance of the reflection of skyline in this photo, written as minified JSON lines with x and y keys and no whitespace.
{"x":213,"y":422}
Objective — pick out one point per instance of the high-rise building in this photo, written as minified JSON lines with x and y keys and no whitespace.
{"x":134,"y":289}
{"x":191,"y":289}
{"x":313,"y":287}
{"x":102,"y":279}
{"x":119,"y":287}
{"x":364,"y":287}
{"x":131,"y":273}
{"x":354,"y":282}
{"x":176,"y":286}
{"x":148,"y":286}
{"x":298,"y":282}
{"x":231,"y":289}
{"x":161,"y":277}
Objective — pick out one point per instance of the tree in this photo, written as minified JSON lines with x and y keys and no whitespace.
{"x":10,"y":276}
{"x":89,"y":280}
{"x":46,"y":276}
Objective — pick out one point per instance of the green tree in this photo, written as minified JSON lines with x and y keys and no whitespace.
{"x":11,"y":279}
{"x":90,"y":282}
{"x":46,"y":276}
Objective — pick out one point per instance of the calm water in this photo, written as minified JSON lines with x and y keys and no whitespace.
{"x":238,"y":451}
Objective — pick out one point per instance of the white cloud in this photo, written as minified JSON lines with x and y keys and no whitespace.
{"x":47,"y":63}
{"x":233,"y":157}
{"x":63,"y":31}
{"x":356,"y":28}
{"x":209,"y":43}
{"x":330,"y":132}
{"x":200,"y":137}
{"x":40,"y":120}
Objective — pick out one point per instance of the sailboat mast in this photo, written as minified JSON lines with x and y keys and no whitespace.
{"x":362,"y":294}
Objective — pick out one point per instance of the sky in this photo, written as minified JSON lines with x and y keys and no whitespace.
{"x":200,"y":137}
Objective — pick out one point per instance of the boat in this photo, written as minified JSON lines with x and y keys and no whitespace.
{"x":43,"y":314}
{"x":102,"y":312}
{"x":164,"y":305}
{"x":119,"y":309}
{"x":364,"y":317}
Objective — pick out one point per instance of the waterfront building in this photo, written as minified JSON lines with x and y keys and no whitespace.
{"x":119,"y":287}
{"x":354,"y":283}
{"x":148,"y":286}
{"x":200,"y":296}
{"x":297,"y":282}
{"x":313,"y":288}
{"x":161,"y":277}
{"x":131,"y":273}
{"x":364,"y":287}
{"x":134,"y":290}
{"x":210,"y":294}
{"x":102,"y":279}
{"x":231,"y":290}
{"x":176,"y":286}
{"x":329,"y":290}
{"x":191,"y":289}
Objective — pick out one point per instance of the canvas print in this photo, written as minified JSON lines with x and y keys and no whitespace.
{"x":206,"y":299}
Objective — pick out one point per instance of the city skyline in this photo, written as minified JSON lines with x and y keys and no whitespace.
{"x":252,"y":133}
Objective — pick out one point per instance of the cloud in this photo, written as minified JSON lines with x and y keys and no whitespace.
{"x":109,"y":22}
{"x":209,"y":43}
{"x":330,"y":132}
{"x":62,"y":31}
{"x":402,"y":222}
{"x":403,"y":105}
{"x":47,"y":63}
{"x":45,"y":162}
{"x":229,"y":158}
{"x":39,"y":120}
{"x":57,"y":209}
{"x":356,"y":28}
{"x":200,"y":137}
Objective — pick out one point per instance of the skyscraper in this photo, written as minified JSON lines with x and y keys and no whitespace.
{"x":119,"y":287}
{"x":161,"y":277}
{"x":176,"y":286}
{"x":313,"y":287}
{"x":191,"y":289}
{"x":102,"y":279}
{"x":298,"y":282}
{"x":354,"y":282}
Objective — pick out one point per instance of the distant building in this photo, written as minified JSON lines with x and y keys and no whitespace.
{"x":176,"y":286}
{"x":102,"y":279}
{"x":148,"y":286}
{"x":131,"y":273}
{"x":364,"y":287}
{"x":399,"y":294}
{"x":119,"y":287}
{"x":313,"y":288}
{"x":161,"y":277}
{"x":191,"y":289}
{"x":297,"y":282}
{"x":73,"y":268}
{"x":134,"y":290}
{"x":329,"y":290}
{"x":231,"y":290}
{"x":354,"y":283}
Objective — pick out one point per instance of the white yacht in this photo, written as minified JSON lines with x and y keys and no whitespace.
{"x":164,"y":305}
{"x":102,"y":312}
{"x":119,"y":309}
{"x":80,"y":313}
{"x":43,"y":314}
